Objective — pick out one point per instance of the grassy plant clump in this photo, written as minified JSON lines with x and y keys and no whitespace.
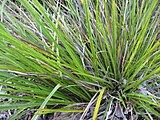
{"x":99,"y":59}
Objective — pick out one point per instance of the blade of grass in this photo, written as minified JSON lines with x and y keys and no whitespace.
{"x":45,"y":102}
{"x":91,"y":39}
{"x":99,"y":99}
{"x":46,"y":111}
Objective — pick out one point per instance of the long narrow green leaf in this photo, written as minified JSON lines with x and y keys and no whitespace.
{"x":46,"y":100}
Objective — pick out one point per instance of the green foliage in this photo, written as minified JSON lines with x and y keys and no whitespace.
{"x":82,"y":47}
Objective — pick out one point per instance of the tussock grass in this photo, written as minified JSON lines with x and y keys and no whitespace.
{"x":103,"y":50}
